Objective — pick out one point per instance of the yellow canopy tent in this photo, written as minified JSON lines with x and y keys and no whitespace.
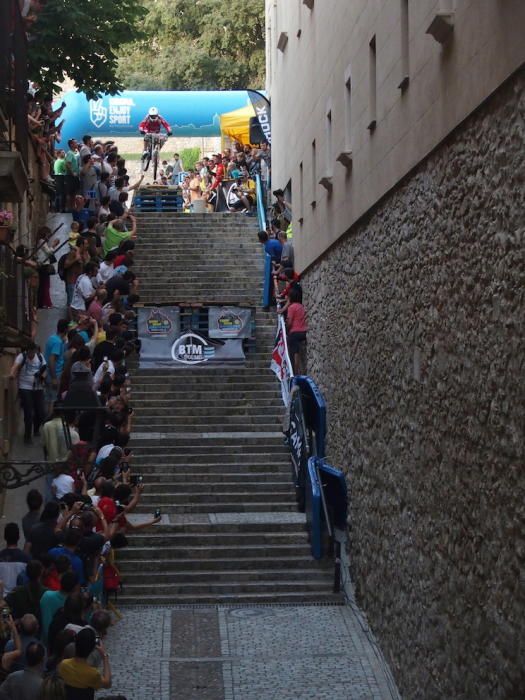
{"x":236,"y":124}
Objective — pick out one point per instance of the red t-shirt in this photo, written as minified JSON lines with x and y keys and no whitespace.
{"x":219,"y":174}
{"x":108,"y":507}
{"x":52,"y":580}
{"x":296,"y":318}
{"x":296,"y":277}
{"x":119,"y":260}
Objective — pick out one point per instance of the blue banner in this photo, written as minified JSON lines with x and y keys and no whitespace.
{"x":189,"y":113}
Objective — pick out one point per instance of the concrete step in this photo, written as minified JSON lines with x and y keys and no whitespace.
{"x":209,"y":554}
{"x":160,"y":456}
{"x":145,"y":407}
{"x":218,"y":538}
{"x":272,"y":597}
{"x":216,"y":507}
{"x":164,"y":578}
{"x":227,"y":564}
{"x":220,"y":495}
{"x":171,"y":482}
{"x":280,"y":522}
{"x":208,"y":424}
{"x":158,"y":470}
{"x":228,"y":588}
{"x":179,"y":455}
{"x":204,"y":395}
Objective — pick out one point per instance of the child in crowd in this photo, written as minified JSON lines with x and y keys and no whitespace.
{"x":74,"y":233}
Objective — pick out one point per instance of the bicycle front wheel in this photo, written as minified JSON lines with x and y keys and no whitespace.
{"x":155,"y":159}
{"x":146,"y":157}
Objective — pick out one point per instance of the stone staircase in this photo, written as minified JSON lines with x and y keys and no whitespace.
{"x":208,"y":441}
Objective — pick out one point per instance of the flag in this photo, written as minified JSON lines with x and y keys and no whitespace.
{"x":263,"y":112}
{"x":280,"y":364}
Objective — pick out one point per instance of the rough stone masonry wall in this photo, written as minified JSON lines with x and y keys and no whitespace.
{"x":417,"y":341}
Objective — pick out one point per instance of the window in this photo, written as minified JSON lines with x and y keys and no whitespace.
{"x":329,"y":149}
{"x":301,"y":193}
{"x":372,"y":85}
{"x":348,"y":111}
{"x":314,"y":173}
{"x":404,"y":46}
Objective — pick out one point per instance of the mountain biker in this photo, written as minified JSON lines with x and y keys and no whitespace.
{"x":152,"y":124}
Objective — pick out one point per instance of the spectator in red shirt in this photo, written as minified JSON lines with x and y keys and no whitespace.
{"x":297,"y":328}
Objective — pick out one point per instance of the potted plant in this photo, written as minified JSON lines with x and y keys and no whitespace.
{"x":6,"y":228}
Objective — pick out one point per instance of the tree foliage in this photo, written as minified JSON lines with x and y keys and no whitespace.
{"x":81,"y":40}
{"x":197,"y":45}
{"x":189,"y":156}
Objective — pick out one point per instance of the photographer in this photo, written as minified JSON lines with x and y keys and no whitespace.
{"x":29,"y":368}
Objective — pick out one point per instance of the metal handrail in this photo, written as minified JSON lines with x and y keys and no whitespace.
{"x":261,"y":211}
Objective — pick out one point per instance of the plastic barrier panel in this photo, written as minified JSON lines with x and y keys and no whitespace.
{"x":267,"y":287}
{"x":335,"y":493}
{"x":314,"y":409}
{"x":314,"y":519}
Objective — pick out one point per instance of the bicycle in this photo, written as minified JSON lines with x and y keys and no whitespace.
{"x":154,"y":143}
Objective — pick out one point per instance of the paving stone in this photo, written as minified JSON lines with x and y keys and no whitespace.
{"x":247,"y":653}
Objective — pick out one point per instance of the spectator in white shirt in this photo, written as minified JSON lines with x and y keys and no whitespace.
{"x":63,"y":483}
{"x":84,"y":290}
{"x":106,"y":269}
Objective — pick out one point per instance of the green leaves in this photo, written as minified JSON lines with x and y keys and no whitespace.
{"x":197,"y":45}
{"x":81,"y":41}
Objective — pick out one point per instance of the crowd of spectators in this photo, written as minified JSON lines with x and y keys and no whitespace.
{"x":201,"y":185}
{"x":76,"y":397}
{"x":287,"y":290}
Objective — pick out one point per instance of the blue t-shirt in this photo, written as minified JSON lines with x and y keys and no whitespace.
{"x":76,"y":561}
{"x":55,"y":346}
{"x":274,"y":249}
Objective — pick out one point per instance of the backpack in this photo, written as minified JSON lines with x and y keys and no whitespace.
{"x":40,"y":359}
{"x":112,"y":580}
{"x":61,"y":269}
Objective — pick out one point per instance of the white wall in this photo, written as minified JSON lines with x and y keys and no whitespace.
{"x":331,"y":42}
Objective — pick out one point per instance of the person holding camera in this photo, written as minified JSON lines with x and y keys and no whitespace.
{"x":29,"y":368}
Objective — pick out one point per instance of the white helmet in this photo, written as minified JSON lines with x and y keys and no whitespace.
{"x":153,"y":112}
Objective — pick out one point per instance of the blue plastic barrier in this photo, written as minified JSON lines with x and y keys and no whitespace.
{"x":314,"y":408}
{"x":158,"y":200}
{"x":335,"y":493}
{"x":267,"y":286}
{"x":334,"y":490}
{"x":314,"y":511}
{"x":261,"y":211}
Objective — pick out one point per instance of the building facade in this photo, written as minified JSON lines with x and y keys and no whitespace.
{"x":398,"y":129}
{"x":22,"y":195}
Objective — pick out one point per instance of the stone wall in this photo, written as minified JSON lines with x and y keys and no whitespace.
{"x":417,"y":341}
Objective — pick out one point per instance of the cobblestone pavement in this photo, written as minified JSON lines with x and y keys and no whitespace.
{"x":247,"y":653}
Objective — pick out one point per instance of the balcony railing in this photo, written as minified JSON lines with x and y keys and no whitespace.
{"x":13,"y":79}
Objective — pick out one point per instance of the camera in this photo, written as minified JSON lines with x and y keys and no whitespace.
{"x":157,"y":513}
{"x":120,"y":507}
{"x":136,"y":479}
{"x":5,"y":614}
